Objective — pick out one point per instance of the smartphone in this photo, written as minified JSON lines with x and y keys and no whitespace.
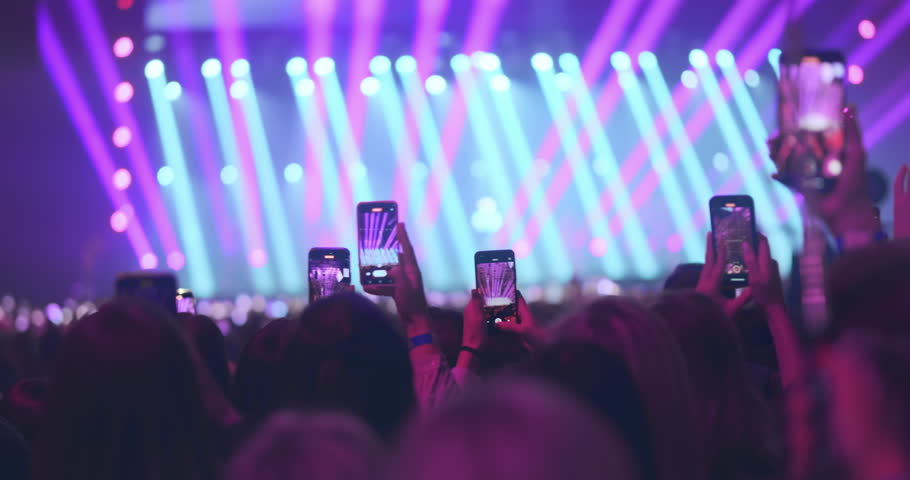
{"x":732,"y":224}
{"x":811,"y":98}
{"x":186,"y":301}
{"x":156,"y":288}
{"x":495,"y":271}
{"x":377,"y":241}
{"x":330,"y":272}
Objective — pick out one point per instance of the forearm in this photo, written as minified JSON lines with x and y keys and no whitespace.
{"x":417,"y":325}
{"x":786,"y":344}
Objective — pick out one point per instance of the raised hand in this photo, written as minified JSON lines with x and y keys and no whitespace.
{"x":765,"y":284}
{"x":532,"y":334}
{"x":474,"y":332}
{"x":710,"y":282}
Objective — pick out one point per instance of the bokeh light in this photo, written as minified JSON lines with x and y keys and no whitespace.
{"x":148,"y":261}
{"x":154,"y":69}
{"x":296,"y":66}
{"x":698,"y":58}
{"x":125,"y":4}
{"x":166,"y":175}
{"x":521,"y":248}
{"x":123,"y":47}
{"x":725,"y":59}
{"x":866,"y":29}
{"x":542,"y":62}
{"x":119,"y":221}
{"x":211,"y":68}
{"x":370,"y":86}
{"x":124,"y":92}
{"x":257,"y":258}
{"x":122,"y":179}
{"x":563,"y":81}
{"x":598,"y":247}
{"x":293,"y":173}
{"x":569,"y":62}
{"x":122,"y":137}
{"x":489,"y":62}
{"x":176,"y":261}
{"x":406,"y":64}
{"x":752,"y":78}
{"x":855,"y":74}
{"x":240,"y":68}
{"x":229,"y":175}
{"x":689,"y":79}
{"x":240,"y":89}
{"x":305,"y":87}
{"x":154,"y":43}
{"x":620,"y":61}
{"x":721,"y":161}
{"x":647,"y":60}
{"x":460,"y":63}
{"x":500,"y":83}
{"x":173,"y":91}
{"x":324,"y":66}
{"x":380,"y":65}
{"x":436,"y":84}
{"x":674,"y":243}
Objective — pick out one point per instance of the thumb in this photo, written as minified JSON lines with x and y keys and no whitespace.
{"x":510,"y":327}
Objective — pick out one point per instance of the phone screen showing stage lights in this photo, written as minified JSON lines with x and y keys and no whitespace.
{"x":811,"y":97}
{"x":377,"y":224}
{"x":496,"y":283}
{"x":330,"y":272}
{"x":733,"y":224}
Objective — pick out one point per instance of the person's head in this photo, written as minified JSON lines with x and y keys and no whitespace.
{"x":447,"y":326}
{"x":320,"y":446}
{"x":647,"y":347}
{"x":208,"y":340}
{"x":256,"y":376}
{"x":346,"y":354}
{"x":128,"y":399}
{"x":512,"y":430}
{"x":684,"y":276}
{"x":734,"y":418}
{"x":26,"y":407}
{"x":599,"y":378}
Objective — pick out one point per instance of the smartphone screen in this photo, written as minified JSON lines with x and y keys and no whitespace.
{"x":330,"y":272}
{"x":495,"y":271}
{"x":377,"y":238}
{"x":732,"y":224}
{"x":186,"y":301}
{"x":811,"y":97}
{"x":156,"y":288}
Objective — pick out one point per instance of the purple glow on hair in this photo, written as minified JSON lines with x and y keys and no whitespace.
{"x":123,"y":47}
{"x":80,"y":113}
{"x":888,"y":30}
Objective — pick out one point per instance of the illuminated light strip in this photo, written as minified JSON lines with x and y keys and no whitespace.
{"x":201,"y":277}
{"x":485,"y":20}
{"x":554,"y":251}
{"x":635,"y":239}
{"x":106,"y":71}
{"x":648,"y":34}
{"x":288,"y":265}
{"x":755,"y":185}
{"x":456,"y":220}
{"x":889,"y":29}
{"x":612,"y":261}
{"x":428,"y":242}
{"x":673,"y":194}
{"x":888,"y":122}
{"x":774,"y":59}
{"x":500,"y":181}
{"x":367,"y":27}
{"x":432,"y":15}
{"x":244,"y":200}
{"x":81,"y":115}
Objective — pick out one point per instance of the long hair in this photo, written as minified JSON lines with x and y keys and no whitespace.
{"x":641,"y":339}
{"x":128,"y":399}
{"x":208,"y":340}
{"x":345,"y":354}
{"x":256,"y":378}
{"x":739,"y":436}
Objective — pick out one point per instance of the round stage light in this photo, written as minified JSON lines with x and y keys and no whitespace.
{"x":563,"y":81}
{"x":598,"y":247}
{"x":123,"y":47}
{"x":436,"y":84}
{"x":460,"y":63}
{"x":122,"y":179}
{"x":122,"y":137}
{"x":725,"y":59}
{"x":689,"y":79}
{"x":293,"y":173}
{"x":542,"y":62}
{"x":698,"y":58}
{"x":240,"y":68}
{"x":124,"y":92}
{"x":296,"y":67}
{"x":324,"y":66}
{"x":211,"y":68}
{"x":866,"y":29}
{"x":380,"y":64}
{"x":855,"y":74}
{"x":240,"y":89}
{"x":620,"y":61}
{"x":406,"y":64}
{"x":647,"y":60}
{"x":119,"y":221}
{"x":173,"y":91}
{"x":489,"y":62}
{"x":500,"y":83}
{"x":370,"y":86}
{"x":305,"y":87}
{"x":752,"y":78}
{"x":154,"y":69}
{"x":569,"y":62}
{"x":148,"y":261}
{"x":166,"y":175}
{"x":176,"y":261}
{"x":154,"y":43}
{"x":229,"y":175}
{"x":257,"y":258}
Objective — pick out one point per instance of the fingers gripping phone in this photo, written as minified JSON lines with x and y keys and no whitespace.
{"x":156,"y":288}
{"x":329,"y":272}
{"x":377,"y":241}
{"x":733,"y":224}
{"x":495,"y":271}
{"x":811,"y":97}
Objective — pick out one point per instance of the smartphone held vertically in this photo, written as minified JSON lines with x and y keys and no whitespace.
{"x":329,"y":272}
{"x":377,"y":241}
{"x":155,"y":288}
{"x":732,"y":225}
{"x":811,"y":98}
{"x":495,"y":271}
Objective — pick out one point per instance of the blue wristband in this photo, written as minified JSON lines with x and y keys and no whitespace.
{"x":420,"y":340}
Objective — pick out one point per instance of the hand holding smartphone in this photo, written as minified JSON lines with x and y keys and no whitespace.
{"x":496,"y":279}
{"x":733,"y":225}
{"x":329,"y":272}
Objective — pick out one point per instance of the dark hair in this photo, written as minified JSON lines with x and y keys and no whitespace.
{"x":208,"y":340}
{"x":735,"y":420}
{"x":128,"y":399}
{"x":345,"y":354}
{"x":14,"y":456}
{"x":600,"y":378}
{"x":26,"y":407}
{"x":684,"y":276}
{"x":256,"y":377}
